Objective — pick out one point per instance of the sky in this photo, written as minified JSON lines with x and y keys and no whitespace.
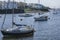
{"x":48,"y":3}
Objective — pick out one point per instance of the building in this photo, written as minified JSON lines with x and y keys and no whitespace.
{"x":36,"y":6}
{"x":22,"y":5}
{"x":9,"y":5}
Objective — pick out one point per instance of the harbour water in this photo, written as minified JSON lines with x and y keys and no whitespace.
{"x":45,"y":30}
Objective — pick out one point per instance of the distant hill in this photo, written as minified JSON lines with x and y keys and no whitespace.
{"x":38,"y":7}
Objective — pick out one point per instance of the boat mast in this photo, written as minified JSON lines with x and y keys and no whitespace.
{"x":13,"y":14}
{"x":8,"y":4}
{"x":24,"y":1}
{"x":24,"y":4}
{"x":4,"y":4}
{"x":38,"y":1}
{"x":3,"y":21}
{"x":4,"y":18}
{"x":39,"y":4}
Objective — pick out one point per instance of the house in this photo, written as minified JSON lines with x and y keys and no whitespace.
{"x":9,"y":5}
{"x":35,"y":6}
{"x":22,"y":5}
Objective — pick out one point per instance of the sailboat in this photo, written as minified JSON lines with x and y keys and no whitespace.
{"x":41,"y":18}
{"x":17,"y":30}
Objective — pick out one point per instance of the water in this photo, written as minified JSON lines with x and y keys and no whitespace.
{"x":45,"y":30}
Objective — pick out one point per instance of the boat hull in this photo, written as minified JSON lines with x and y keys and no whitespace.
{"x":40,"y":19}
{"x":26,"y":15}
{"x":12,"y":33}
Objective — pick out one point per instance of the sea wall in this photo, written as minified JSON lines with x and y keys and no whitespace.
{"x":10,"y":11}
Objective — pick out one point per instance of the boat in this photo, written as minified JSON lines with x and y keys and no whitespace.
{"x":20,"y":30}
{"x":25,"y":15}
{"x":42,"y":18}
{"x":17,"y":29}
{"x":54,"y":12}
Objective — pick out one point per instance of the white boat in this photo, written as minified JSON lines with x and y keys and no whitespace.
{"x":54,"y":12}
{"x":42,"y":18}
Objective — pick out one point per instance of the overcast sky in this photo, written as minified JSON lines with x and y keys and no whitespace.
{"x":49,"y":3}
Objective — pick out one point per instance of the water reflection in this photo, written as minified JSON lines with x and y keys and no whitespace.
{"x":25,"y":37}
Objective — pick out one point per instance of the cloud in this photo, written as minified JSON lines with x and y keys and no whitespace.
{"x":51,"y":3}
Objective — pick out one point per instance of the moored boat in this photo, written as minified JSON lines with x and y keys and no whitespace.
{"x":18,"y":30}
{"x":42,"y":18}
{"x":25,"y":15}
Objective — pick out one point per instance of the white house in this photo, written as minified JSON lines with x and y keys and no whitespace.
{"x":38,"y":6}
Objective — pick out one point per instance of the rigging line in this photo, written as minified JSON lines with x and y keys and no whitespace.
{"x":3,"y":21}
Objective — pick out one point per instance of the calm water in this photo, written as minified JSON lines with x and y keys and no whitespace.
{"x":45,"y":30}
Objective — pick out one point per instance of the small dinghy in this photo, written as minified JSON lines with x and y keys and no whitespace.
{"x":18,"y":30}
{"x":25,"y":15}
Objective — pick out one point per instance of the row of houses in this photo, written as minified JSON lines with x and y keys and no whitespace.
{"x":37,"y":6}
{"x":16,"y":5}
{"x":8,"y":5}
